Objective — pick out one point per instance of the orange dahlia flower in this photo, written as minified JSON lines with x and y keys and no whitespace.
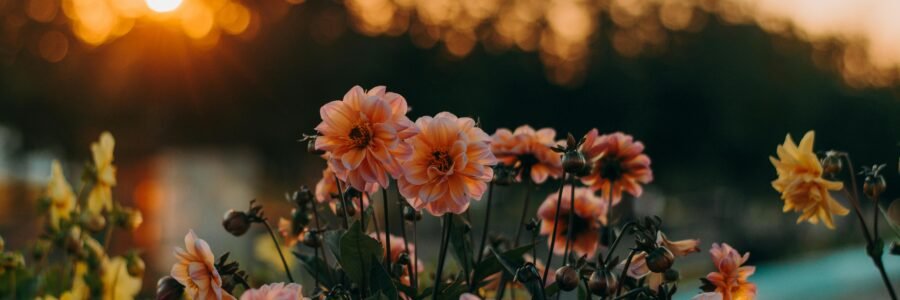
{"x":619,"y":164}
{"x":450,"y":164}
{"x":590,"y":213}
{"x":731,"y":279}
{"x":528,"y":149}
{"x":196,"y":270}
{"x":362,"y":133}
{"x":801,"y":184}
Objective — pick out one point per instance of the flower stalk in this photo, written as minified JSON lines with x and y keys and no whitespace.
{"x":525,"y":204}
{"x":442,"y":256}
{"x":287,"y":270}
{"x":562,"y":185}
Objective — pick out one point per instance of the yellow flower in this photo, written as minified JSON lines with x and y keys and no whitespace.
{"x":62,"y":200}
{"x":265,"y":251}
{"x":117,"y":283}
{"x":100,"y":197}
{"x":801,"y":184}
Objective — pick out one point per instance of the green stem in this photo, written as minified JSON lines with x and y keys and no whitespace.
{"x":562,"y":185}
{"x":442,"y":256}
{"x":530,"y":185}
{"x":487,"y":223}
{"x":625,"y":271}
{"x":287,"y":270}
{"x":570,"y":236}
{"x":387,"y":229}
{"x":343,"y":202}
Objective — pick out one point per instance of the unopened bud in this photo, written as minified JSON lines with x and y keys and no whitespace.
{"x":832,"y":163}
{"x":411,"y":214}
{"x":573,"y":162}
{"x":660,"y":259}
{"x":135,"y":265}
{"x":567,"y":278}
{"x":874,"y":186}
{"x":93,"y":222}
{"x":236,"y":222}
{"x":603,"y":283}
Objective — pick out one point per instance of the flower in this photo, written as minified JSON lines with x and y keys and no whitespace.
{"x":327,"y":190}
{"x":62,"y":200}
{"x":362,"y":133}
{"x":619,"y":164}
{"x":801,"y":184}
{"x":638,"y":268}
{"x":117,"y":283}
{"x":100,"y":197}
{"x":450,"y":164}
{"x":275,"y":291}
{"x":590,"y":213}
{"x":398,"y":248}
{"x":708,"y":296}
{"x":731,"y":279}
{"x":529,"y":149}
{"x":196,"y":270}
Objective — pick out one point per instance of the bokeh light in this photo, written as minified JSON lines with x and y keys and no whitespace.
{"x":163,"y":5}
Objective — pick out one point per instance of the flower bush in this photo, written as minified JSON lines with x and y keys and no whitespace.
{"x":438,"y":165}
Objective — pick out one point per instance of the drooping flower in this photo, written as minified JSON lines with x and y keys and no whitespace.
{"x":638,"y":268}
{"x":398,"y":248}
{"x":117,"y":283}
{"x":62,"y":199}
{"x":801,"y":184}
{"x":362,"y":133}
{"x":100,"y":197}
{"x":196,"y":270}
{"x":590,"y":214}
{"x":619,"y":164}
{"x":529,"y":150}
{"x":275,"y":291}
{"x":450,"y":165}
{"x":731,"y":278}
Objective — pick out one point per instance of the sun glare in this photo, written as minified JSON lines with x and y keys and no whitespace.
{"x":163,"y":5}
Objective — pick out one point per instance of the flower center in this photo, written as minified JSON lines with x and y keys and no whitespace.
{"x":361,"y":135}
{"x":441,"y":160}
{"x":611,"y":168}
{"x":580,"y":225}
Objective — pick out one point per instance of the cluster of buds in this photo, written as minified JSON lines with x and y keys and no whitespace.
{"x":874,"y":184}
{"x":573,"y":161}
{"x":231,"y":273}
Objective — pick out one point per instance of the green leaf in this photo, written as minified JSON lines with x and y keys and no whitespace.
{"x":381,"y":282}
{"x":358,"y":253}
{"x":316,"y":266}
{"x":454,"y":290}
{"x":462,"y":244}
{"x":332,"y":239}
{"x":490,"y":265}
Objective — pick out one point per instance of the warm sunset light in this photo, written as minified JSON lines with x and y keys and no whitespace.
{"x":163,"y":5}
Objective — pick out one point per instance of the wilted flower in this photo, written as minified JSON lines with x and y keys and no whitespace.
{"x":450,"y":165}
{"x":62,"y":200}
{"x":100,"y":197}
{"x":196,"y":270}
{"x":528,"y":149}
{"x":362,"y":133}
{"x":731,"y":279}
{"x":801,"y":184}
{"x":639,"y":267}
{"x":275,"y":291}
{"x":397,"y":249}
{"x":590,"y":213}
{"x":619,"y":164}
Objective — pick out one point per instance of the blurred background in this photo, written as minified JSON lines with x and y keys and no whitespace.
{"x":207,"y":98}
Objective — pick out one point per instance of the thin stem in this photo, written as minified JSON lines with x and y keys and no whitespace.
{"x":487,"y":223}
{"x":445,"y":240}
{"x":530,"y":185}
{"x":612,"y":248}
{"x":570,"y":236}
{"x":343,"y":202}
{"x":415,"y":261}
{"x":362,"y":212}
{"x":374,"y":221}
{"x":562,"y":184}
{"x":287,"y":270}
{"x":387,"y":228}
{"x":625,"y":270}
{"x":409,"y":266}
{"x":315,"y":207}
{"x":107,"y":236}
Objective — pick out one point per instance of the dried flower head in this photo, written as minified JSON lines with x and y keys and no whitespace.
{"x":529,"y":151}
{"x":619,"y":164}
{"x":363,"y":135}
{"x":590,"y":214}
{"x":801,"y":184}
{"x":450,"y":165}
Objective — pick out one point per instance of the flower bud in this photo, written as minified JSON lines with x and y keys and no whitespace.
{"x":311,"y":146}
{"x":660,"y":259}
{"x":671,"y":275}
{"x":129,"y":218}
{"x":603,"y":283}
{"x":573,"y":162}
{"x":135,"y":265}
{"x":403,"y":258}
{"x":167,"y":288}
{"x":73,"y":242}
{"x":832,"y":163}
{"x":527,"y":272}
{"x":340,"y":207}
{"x":411,"y":214}
{"x":311,"y":239}
{"x":300,"y":218}
{"x":874,"y":186}
{"x":236,"y":222}
{"x":40,"y":250}
{"x":93,"y":222}
{"x":567,"y":278}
